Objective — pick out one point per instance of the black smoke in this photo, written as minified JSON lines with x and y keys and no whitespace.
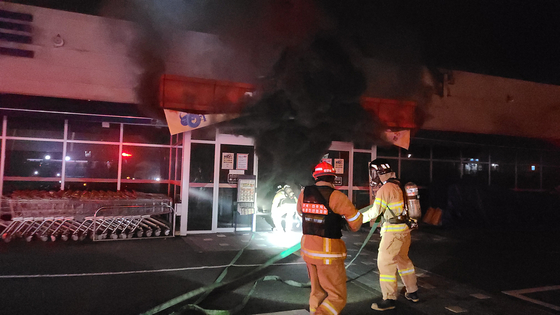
{"x":311,"y":98}
{"x":315,"y":59}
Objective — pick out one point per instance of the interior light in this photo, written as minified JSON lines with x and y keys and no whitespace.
{"x":533,"y":167}
{"x":47,"y":157}
{"x":409,"y":155}
{"x":124,"y":154}
{"x":57,"y":174}
{"x":36,"y":172}
{"x":67,"y":158}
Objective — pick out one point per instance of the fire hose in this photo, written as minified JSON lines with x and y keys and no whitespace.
{"x":206,"y":290}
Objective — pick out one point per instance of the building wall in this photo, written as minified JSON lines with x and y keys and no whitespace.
{"x":98,"y":58}
{"x":97,"y":62}
{"x":491,"y":105}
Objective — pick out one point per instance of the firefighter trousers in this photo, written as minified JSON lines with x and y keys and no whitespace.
{"x":393,"y":256}
{"x":328,"y":288}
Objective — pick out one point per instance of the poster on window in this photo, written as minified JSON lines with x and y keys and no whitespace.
{"x":242,"y":161}
{"x":339,"y":166}
{"x":227,"y":160}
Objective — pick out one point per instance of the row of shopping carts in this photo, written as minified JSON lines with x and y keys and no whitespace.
{"x":53,"y":218}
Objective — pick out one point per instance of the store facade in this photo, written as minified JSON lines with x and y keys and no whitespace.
{"x":70,"y":122}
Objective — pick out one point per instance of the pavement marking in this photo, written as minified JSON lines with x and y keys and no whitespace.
{"x":480,"y":296}
{"x":426,"y":285}
{"x":113,"y":273}
{"x":220,"y":235}
{"x":294,"y":312}
{"x":456,"y":309}
{"x":224,"y":244}
{"x":519,"y":294}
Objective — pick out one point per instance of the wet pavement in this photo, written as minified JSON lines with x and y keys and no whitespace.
{"x":472,"y":271}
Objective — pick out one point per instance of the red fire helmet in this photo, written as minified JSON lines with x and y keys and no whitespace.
{"x":323,"y":169}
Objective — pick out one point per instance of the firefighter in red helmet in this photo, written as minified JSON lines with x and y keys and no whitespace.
{"x":395,"y":236}
{"x":323,"y":210}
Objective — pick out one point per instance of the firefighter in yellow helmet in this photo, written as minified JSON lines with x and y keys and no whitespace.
{"x":324,"y":210}
{"x":395,"y":236}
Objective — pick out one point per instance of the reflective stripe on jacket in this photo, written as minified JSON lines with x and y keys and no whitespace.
{"x":389,"y":196}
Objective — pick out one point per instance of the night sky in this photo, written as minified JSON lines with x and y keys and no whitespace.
{"x":509,"y":38}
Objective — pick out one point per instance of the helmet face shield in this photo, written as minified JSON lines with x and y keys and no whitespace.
{"x":374,"y":177}
{"x":288,"y":191}
{"x":378,"y":167}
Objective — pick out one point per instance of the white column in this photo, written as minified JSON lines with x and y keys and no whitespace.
{"x":185,"y":175}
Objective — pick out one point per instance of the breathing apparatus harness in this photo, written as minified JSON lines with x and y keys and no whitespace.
{"x":317,"y":217}
{"x":404,"y":217}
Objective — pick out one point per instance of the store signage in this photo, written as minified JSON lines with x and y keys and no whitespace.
{"x":178,"y":122}
{"x":398,"y":138}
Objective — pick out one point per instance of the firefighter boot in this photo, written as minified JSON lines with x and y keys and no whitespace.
{"x":413,"y":296}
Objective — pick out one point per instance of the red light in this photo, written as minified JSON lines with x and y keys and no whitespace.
{"x":124,"y":154}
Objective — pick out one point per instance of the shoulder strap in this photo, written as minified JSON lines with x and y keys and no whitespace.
{"x":322,"y":199}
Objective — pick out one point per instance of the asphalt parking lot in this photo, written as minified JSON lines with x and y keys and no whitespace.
{"x":460,"y":271}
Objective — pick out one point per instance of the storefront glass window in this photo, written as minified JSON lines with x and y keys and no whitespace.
{"x":528,"y":156}
{"x":242,"y":162}
{"x":81,"y":185}
{"x":33,"y":158}
{"x":383,"y":151}
{"x":177,"y":139}
{"x":551,"y":158}
{"x":417,"y":172}
{"x":417,"y":150}
{"x":551,"y":178}
{"x":200,"y":209}
{"x":93,"y":131}
{"x":206,"y":133}
{"x":361,"y":169}
{"x":11,"y":186}
{"x":150,"y":163}
{"x":35,"y":128}
{"x":340,"y":158}
{"x":146,"y":134}
{"x":502,"y":155}
{"x":202,"y":163}
{"x":173,"y":164}
{"x":475,"y":173}
{"x":446,"y":152}
{"x":361,"y":198}
{"x":227,"y":207}
{"x":503,"y":175}
{"x":86,"y":160}
{"x":146,"y":187}
{"x":446,"y":172}
{"x":528,"y":177}
{"x":474,"y":154}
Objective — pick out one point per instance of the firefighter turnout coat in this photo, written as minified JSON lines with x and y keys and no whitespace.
{"x":323,"y":250}
{"x":395,"y":240}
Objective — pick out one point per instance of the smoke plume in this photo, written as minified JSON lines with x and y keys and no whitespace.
{"x":310,"y":57}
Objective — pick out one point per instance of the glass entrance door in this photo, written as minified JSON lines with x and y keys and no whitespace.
{"x":210,"y":195}
{"x":235,"y":160}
